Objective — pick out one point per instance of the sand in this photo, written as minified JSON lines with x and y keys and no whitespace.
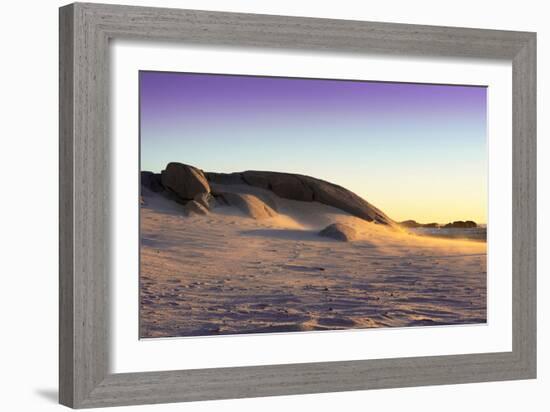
{"x":227,"y":273}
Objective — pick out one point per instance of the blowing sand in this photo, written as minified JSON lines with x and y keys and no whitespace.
{"x":227,"y":273}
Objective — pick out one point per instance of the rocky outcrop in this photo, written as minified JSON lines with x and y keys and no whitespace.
{"x":285,"y":185}
{"x":410,"y":224}
{"x":184,"y":181}
{"x":206,"y":199}
{"x":413,"y":224}
{"x":195,"y":208}
{"x":225,"y":178}
{"x":307,"y":189}
{"x":250,"y":205}
{"x":461,"y":224}
{"x":339,"y":231}
{"x":201,"y":191}
{"x":152,"y":181}
{"x":431,"y":225}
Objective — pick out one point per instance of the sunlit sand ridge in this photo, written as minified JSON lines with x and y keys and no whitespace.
{"x":227,"y":271}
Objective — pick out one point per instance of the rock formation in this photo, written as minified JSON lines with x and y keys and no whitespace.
{"x":195,"y":208}
{"x":187,"y":184}
{"x":152,"y":181}
{"x":461,"y":224}
{"x":339,"y":231}
{"x":185,"y":181}
{"x":206,"y":199}
{"x":412,"y":224}
{"x":305,"y":188}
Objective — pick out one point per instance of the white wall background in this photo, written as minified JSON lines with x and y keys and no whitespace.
{"x":28,"y":205}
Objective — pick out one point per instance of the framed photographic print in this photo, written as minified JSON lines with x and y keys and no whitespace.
{"x":256,"y":205}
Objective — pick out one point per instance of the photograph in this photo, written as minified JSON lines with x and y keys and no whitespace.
{"x":285,"y":205}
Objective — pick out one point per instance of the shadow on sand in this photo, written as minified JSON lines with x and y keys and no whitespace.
{"x":287,"y":234}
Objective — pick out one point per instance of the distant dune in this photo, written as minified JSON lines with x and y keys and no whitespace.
{"x":273,"y":252}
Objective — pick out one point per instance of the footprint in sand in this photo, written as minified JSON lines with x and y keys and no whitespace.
{"x":299,"y":268}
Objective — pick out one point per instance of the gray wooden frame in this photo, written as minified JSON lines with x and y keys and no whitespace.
{"x":85,"y":31}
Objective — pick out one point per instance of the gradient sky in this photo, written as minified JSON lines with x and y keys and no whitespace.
{"x":416,"y":151}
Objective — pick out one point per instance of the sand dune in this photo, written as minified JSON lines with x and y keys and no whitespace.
{"x":227,"y":272}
